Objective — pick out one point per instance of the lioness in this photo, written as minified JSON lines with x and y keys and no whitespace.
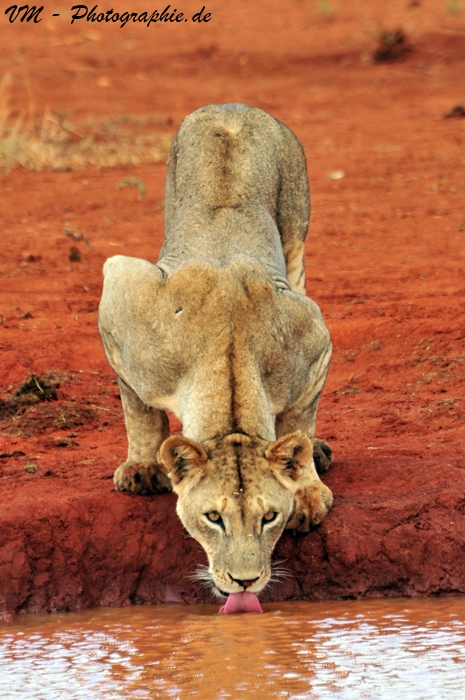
{"x":220,"y":333}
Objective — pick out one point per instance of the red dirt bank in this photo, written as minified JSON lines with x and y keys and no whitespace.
{"x":385,"y":261}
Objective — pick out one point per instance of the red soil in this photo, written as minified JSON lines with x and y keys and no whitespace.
{"x":385,"y":261}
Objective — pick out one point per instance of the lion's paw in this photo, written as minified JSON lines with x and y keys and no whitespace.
{"x":140,"y":478}
{"x":322,"y":455}
{"x":312,"y":505}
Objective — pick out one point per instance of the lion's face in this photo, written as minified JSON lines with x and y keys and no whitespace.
{"x":235,"y":496}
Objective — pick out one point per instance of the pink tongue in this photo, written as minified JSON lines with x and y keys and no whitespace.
{"x":241,"y":602}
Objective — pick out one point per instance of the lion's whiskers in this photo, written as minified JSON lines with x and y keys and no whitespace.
{"x":280,"y":573}
{"x":203,"y":576}
{"x":202,"y":573}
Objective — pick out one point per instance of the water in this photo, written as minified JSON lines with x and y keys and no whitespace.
{"x":387,"y":649}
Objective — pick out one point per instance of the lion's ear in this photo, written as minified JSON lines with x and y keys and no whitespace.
{"x":181,"y":457}
{"x":290,"y":453}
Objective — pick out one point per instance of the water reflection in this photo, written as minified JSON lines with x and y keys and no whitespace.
{"x":412,"y":650}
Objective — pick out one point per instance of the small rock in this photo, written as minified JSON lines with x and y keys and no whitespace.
{"x":75,"y":254}
{"x":456,"y":112}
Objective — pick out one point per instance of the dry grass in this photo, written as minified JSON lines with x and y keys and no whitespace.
{"x":58,"y":144}
{"x":392,"y":45}
{"x":325,"y":9}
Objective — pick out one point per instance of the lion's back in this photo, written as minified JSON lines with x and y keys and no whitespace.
{"x":230,"y":155}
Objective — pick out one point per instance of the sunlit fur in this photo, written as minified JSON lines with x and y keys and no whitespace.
{"x":220,"y":333}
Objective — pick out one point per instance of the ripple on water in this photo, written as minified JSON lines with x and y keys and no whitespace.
{"x":387,"y":649}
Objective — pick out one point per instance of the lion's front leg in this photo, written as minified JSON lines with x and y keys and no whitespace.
{"x":141,"y":478}
{"x":147,"y":428}
{"x":312,"y":502}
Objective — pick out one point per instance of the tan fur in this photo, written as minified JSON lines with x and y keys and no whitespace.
{"x":220,"y":333}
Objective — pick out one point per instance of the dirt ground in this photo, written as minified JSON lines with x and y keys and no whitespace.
{"x":385,"y":261}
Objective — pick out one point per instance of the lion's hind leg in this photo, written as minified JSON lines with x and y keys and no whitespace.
{"x":147,"y":428}
{"x":293,"y":209}
{"x":295,"y":267}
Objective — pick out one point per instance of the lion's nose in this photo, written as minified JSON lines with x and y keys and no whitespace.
{"x":245,"y":584}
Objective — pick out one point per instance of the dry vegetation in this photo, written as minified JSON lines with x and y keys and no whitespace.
{"x":58,"y":144}
{"x":45,"y":403}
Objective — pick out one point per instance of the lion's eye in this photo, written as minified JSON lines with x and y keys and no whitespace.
{"x":269,"y":517}
{"x":214,"y":517}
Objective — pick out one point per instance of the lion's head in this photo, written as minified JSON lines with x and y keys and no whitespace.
{"x":235,"y":496}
